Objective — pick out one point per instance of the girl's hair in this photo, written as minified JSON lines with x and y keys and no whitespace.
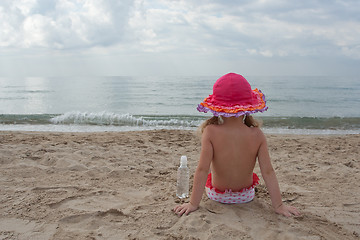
{"x":248,"y":120}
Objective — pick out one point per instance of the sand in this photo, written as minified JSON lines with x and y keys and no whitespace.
{"x":122,"y":186}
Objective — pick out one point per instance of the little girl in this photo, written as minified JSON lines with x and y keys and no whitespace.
{"x":231,"y":142}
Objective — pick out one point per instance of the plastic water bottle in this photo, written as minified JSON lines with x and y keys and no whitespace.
{"x":182,"y":188}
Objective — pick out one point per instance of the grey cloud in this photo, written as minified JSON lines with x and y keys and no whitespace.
{"x":62,"y":24}
{"x":255,"y":26}
{"x":286,"y":27}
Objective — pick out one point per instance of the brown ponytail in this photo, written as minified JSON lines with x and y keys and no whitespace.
{"x":251,"y":122}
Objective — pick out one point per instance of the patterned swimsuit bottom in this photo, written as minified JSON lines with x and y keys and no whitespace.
{"x":243,"y":196}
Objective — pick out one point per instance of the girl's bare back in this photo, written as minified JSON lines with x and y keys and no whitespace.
{"x":235,"y":148}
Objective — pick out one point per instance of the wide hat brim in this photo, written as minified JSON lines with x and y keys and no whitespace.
{"x":218,"y":108}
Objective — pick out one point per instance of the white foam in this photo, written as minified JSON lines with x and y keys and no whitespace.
{"x":105,"y":118}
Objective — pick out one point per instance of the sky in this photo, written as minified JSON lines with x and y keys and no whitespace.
{"x":179,"y":37}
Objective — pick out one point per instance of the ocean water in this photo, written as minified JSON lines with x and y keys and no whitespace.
{"x":299,"y":105}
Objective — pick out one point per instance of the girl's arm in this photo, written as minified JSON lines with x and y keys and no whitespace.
{"x":271,"y":182}
{"x":200,"y":176}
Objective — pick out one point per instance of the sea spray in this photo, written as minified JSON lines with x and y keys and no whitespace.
{"x":114,"y":119}
{"x":110,"y":121}
{"x":102,"y":118}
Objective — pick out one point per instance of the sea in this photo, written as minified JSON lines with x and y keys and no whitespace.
{"x":297,"y":104}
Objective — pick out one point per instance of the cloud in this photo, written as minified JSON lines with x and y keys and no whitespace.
{"x":62,"y":24}
{"x":157,"y":32}
{"x":281,"y":28}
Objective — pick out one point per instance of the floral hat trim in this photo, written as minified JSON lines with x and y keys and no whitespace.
{"x":236,"y":110}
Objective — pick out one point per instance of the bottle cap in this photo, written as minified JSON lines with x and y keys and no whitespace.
{"x":183,"y":161}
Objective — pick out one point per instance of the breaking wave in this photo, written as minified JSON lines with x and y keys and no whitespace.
{"x":114,"y":119}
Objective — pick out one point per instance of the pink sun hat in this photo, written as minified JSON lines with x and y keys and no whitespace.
{"x":233,"y":97}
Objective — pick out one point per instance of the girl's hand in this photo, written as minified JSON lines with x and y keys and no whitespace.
{"x":185,"y":208}
{"x":287,"y":211}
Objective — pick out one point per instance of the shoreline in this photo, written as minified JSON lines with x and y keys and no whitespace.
{"x":116,"y":122}
{"x":111,"y":185}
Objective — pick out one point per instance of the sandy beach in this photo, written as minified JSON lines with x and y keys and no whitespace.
{"x":121,"y":185}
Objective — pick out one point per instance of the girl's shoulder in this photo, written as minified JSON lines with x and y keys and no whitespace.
{"x":258,"y":134}
{"x":210,"y":129}
{"x":256,"y":130}
{"x":213,"y":130}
